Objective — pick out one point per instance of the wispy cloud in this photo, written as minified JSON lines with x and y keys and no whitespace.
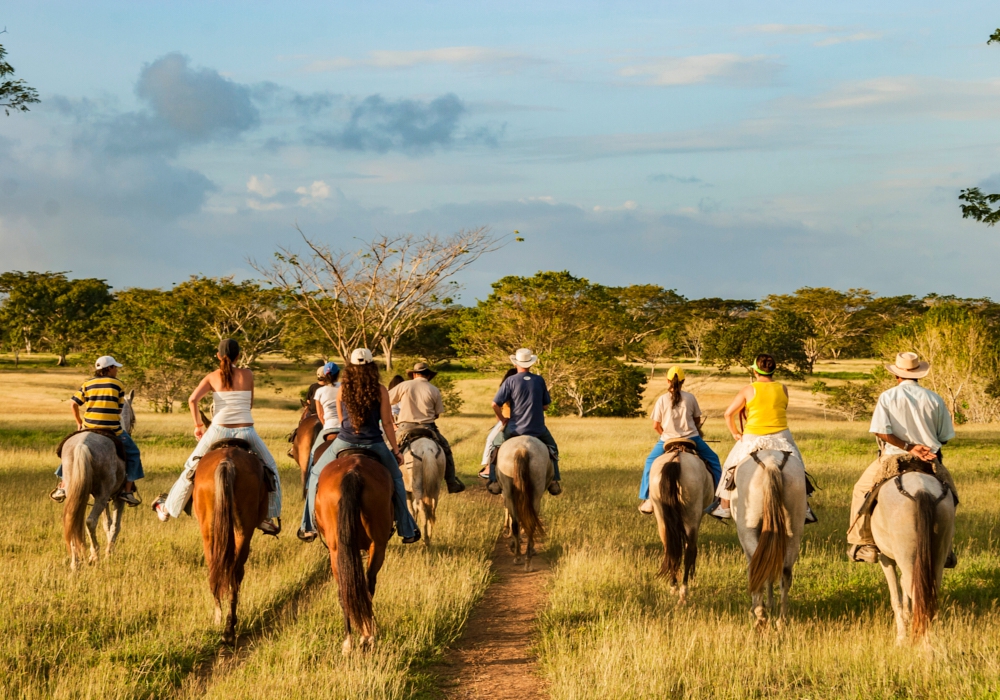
{"x":460,"y":56}
{"x":787,"y":29}
{"x":729,"y":68}
{"x":849,"y":38}
{"x":666,"y":177}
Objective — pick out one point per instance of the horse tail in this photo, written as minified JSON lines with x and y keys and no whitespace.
{"x":222,"y":567}
{"x":769,"y":558}
{"x":524,"y":493}
{"x":673,"y":519}
{"x":79,"y":480}
{"x":924,"y":576}
{"x":354,"y":594}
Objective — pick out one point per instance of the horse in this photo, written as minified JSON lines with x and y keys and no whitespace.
{"x":354,"y":513}
{"x":681,"y":488}
{"x":92,"y":467}
{"x":302,"y":439}
{"x":423,"y":471}
{"x":913,"y":523}
{"x":769,"y":508}
{"x":230,"y":500}
{"x":524,"y":470}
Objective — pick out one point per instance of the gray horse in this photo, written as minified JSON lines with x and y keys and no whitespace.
{"x":913,"y":524}
{"x":423,"y":472}
{"x":524,"y":470}
{"x":92,"y":467}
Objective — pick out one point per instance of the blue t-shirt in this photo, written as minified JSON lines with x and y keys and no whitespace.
{"x":527,"y":395}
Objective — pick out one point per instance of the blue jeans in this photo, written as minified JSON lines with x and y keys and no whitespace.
{"x":404,"y":521}
{"x":706,"y":453}
{"x":546,"y":439}
{"x":133,"y":460}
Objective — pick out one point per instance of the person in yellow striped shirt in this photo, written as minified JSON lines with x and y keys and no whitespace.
{"x":101,"y":399}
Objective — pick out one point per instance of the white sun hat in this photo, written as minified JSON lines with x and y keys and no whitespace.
{"x":106,"y":361}
{"x":362,"y":356}
{"x":524,"y":358}
{"x":909,"y":366}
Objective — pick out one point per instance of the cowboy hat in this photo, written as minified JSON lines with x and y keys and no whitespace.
{"x":422,"y":369}
{"x":524,"y":358}
{"x":909,"y":366}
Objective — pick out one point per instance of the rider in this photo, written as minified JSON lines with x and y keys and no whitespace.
{"x":326,"y":410}
{"x":232,"y":394}
{"x":484,"y":473}
{"x":528,"y":398}
{"x":765,"y":404}
{"x":677,"y":415}
{"x":910,"y":419}
{"x":102,"y":398}
{"x":420,"y":405}
{"x":361,"y":403}
{"x":313,"y":388}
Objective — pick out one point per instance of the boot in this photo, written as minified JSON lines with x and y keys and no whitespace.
{"x":863,"y":553}
{"x":456,"y":486}
{"x":494,"y":488}
{"x":411,"y":540}
{"x":952,"y":561}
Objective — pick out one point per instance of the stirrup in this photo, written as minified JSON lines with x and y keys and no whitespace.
{"x":494,"y":487}
{"x":270,"y":528}
{"x":58,"y":494}
{"x":306,"y":536}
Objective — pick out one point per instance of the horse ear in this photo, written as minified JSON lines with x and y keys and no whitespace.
{"x":131,"y":395}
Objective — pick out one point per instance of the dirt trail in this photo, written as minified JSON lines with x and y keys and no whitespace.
{"x":492,"y":658}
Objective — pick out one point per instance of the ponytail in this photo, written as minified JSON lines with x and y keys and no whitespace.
{"x":675,"y":390}
{"x":229,"y":350}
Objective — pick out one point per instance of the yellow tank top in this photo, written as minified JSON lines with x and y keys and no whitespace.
{"x":766,"y":411}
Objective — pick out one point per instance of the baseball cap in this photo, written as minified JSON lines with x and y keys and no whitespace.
{"x":106,"y":361}
{"x":362,"y":356}
{"x":675,"y":372}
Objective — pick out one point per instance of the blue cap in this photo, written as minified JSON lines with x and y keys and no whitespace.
{"x":331,"y":368}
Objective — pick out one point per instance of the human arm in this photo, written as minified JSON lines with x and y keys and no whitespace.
{"x":388,"y":425}
{"x":319,"y":413}
{"x":201,"y":391}
{"x":738,"y":404}
{"x":76,"y":415}
{"x":438,"y":404}
{"x":502,"y":397}
{"x":658,"y":427}
{"x":922,"y":452}
{"x":498,"y":410}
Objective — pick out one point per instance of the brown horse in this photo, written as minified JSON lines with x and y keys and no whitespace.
{"x":230,"y":501}
{"x":354,"y":513}
{"x":302,"y":439}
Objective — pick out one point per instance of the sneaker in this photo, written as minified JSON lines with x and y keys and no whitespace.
{"x":411,"y":540}
{"x":810,"y":516}
{"x":555,"y":488}
{"x":952,"y":561}
{"x":270,"y":526}
{"x":646,"y":507}
{"x":721,"y":513}
{"x":484,"y":473}
{"x":494,"y":488}
{"x":306,"y":536}
{"x":130,"y":498}
{"x":863,"y":553}
{"x":58,"y":494}
{"x":160,"y":508}
{"x":456,"y":486}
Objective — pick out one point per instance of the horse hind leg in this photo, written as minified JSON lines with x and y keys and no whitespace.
{"x":114,"y":524}
{"x":515,"y":540}
{"x":529,"y":549}
{"x":690,"y":557}
{"x":895,"y":597}
{"x":786,"y":585}
{"x":92,"y":520}
{"x":757,"y":610}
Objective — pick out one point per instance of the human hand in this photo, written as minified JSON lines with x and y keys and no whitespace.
{"x":504,"y":421}
{"x":199,"y":431}
{"x":923,"y":452}
{"x":737,"y":436}
{"x":398,"y":455}
{"x":79,"y":425}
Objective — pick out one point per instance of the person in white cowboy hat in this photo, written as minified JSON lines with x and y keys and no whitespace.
{"x":420,"y":405}
{"x":528,"y":398}
{"x":910,"y":419}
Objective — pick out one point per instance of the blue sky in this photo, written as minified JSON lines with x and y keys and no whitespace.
{"x":722,"y":149}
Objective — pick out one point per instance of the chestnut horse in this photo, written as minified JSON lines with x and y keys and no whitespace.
{"x":230,"y":501}
{"x":302,"y":439}
{"x":354,"y":513}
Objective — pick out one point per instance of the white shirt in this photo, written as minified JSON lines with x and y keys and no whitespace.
{"x":232,"y":407}
{"x":326,"y":395}
{"x":680,"y":421}
{"x":913,"y":414}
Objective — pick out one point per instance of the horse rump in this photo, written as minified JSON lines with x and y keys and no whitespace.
{"x":768,"y":558}
{"x":524,"y":493}
{"x":925,"y":589}
{"x":222,"y":567}
{"x":675,"y":541}
{"x":79,"y":481}
{"x":355,"y":597}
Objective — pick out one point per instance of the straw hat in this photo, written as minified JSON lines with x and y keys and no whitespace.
{"x":909,"y":366}
{"x":422,"y":369}
{"x":524,"y":358}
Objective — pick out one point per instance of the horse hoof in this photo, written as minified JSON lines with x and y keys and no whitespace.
{"x":346,"y":647}
{"x":229,"y":638}
{"x":512,"y":546}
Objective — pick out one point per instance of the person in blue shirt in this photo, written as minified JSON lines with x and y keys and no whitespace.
{"x":528,"y":398}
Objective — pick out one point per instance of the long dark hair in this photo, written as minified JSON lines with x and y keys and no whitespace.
{"x":103,"y":372}
{"x":396,"y":381}
{"x":229,"y":350}
{"x":510,"y":373}
{"x":360,"y":391}
{"x":675,"y":389}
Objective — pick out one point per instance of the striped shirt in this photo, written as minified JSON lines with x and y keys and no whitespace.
{"x":102,"y":399}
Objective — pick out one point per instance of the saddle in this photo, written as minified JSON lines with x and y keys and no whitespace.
{"x":731,"y":479}
{"x":241,"y":444}
{"x":360,"y":452}
{"x":110,"y":434}
{"x":410,"y":436}
{"x":679,"y":445}
{"x":892,"y":467}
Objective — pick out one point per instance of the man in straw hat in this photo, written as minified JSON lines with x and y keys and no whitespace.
{"x":420,"y":405}
{"x":528,"y":398}
{"x":908,"y":419}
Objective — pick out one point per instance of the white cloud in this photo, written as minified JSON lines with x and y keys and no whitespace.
{"x":464,"y":56}
{"x":787,"y":29}
{"x":714,"y":67}
{"x":912,"y":97}
{"x":262,"y":185}
{"x":316,"y":191}
{"x":849,"y":38}
{"x":257,"y":205}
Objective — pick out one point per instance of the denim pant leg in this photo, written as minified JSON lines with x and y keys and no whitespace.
{"x":133,"y":460}
{"x":546,"y":437}
{"x":709,"y":457}
{"x":644,"y":486}
{"x":404,"y":521}
{"x":312,"y":481}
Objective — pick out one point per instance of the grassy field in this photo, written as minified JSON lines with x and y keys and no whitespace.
{"x":139,"y":625}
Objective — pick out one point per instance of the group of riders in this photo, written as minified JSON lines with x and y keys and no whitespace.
{"x":355,"y":411}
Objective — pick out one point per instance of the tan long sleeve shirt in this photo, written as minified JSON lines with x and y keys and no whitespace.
{"x":419,"y":401}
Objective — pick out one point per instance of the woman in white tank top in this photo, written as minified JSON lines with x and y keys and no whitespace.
{"x":232,"y":394}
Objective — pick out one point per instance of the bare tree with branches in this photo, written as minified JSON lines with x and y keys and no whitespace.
{"x":372,"y":296}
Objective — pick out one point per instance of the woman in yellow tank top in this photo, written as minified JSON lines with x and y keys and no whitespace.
{"x":764,"y":403}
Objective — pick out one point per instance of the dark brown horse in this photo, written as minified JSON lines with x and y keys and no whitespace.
{"x":302,"y":441}
{"x":354,"y":513}
{"x":230,"y":501}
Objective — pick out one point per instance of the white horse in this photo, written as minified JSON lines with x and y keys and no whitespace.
{"x":913,"y":524}
{"x":524,"y":470}
{"x":769,"y":507}
{"x":423,"y":472}
{"x":681,"y":488}
{"x":92,"y":467}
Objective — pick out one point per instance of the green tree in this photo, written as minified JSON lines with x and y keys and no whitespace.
{"x":837,"y":318}
{"x":76,"y":306}
{"x":14,"y":94}
{"x":650,"y":310}
{"x":782,"y":334}
{"x":977,"y":205}
{"x":432,"y":340}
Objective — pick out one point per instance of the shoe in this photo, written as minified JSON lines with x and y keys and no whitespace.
{"x":555,"y":488}
{"x":721,"y":513}
{"x":646,"y":507}
{"x":58,"y":494}
{"x":411,"y":540}
{"x":456,"y":486}
{"x":306,"y":536}
{"x":810,"y":516}
{"x":863,"y":553}
{"x":494,"y":488}
{"x":130,"y":498}
{"x":484,"y":473}
{"x":270,"y":526}
{"x":952,"y":561}
{"x":160,"y":508}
